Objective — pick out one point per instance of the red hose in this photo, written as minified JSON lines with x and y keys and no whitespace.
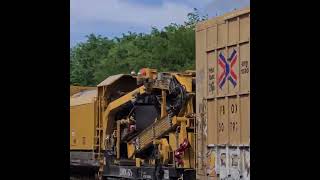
{"x":180,"y":151}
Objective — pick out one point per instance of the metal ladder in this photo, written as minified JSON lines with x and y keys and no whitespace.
{"x":97,"y":150}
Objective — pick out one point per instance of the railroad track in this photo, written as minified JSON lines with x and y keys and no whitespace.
{"x":81,"y":177}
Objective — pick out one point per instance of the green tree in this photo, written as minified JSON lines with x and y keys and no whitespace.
{"x":85,"y":57}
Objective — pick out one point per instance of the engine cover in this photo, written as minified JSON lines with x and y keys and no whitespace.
{"x":145,"y":116}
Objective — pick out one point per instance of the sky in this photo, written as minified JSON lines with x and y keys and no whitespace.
{"x":111,"y":18}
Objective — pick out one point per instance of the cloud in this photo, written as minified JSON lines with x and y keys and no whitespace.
{"x":125,"y":12}
{"x":113,"y":17}
{"x":214,"y":7}
{"x":107,"y":29}
{"x":220,"y":7}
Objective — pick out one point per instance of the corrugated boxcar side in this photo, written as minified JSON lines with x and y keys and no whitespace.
{"x":223,"y":88}
{"x":228,"y":120}
{"x":200,"y":89}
